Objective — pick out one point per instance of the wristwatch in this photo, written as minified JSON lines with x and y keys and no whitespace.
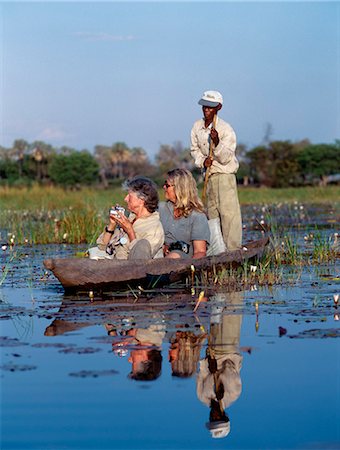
{"x":109,"y":231}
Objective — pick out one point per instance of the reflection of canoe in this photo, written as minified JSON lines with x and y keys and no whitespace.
{"x":78,"y":273}
{"x":125,"y":310}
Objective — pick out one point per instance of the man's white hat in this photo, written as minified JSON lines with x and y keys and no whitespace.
{"x":218,"y":429}
{"x":211,"y":99}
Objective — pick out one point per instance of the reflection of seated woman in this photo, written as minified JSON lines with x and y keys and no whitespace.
{"x":184,"y":353}
{"x":182,"y":215}
{"x":145,"y":350}
{"x":139,"y":236}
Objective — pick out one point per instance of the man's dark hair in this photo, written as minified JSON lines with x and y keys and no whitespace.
{"x":145,"y":189}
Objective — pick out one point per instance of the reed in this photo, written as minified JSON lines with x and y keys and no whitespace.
{"x":249,"y":275}
{"x":44,"y":215}
{"x":325,"y":249}
{"x":6,"y":268}
{"x":282,"y":256}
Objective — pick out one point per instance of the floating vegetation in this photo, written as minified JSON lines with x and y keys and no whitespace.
{"x":80,"y":350}
{"x":93,"y":373}
{"x":17,"y":367}
{"x":316,"y":334}
{"x":11,"y":342}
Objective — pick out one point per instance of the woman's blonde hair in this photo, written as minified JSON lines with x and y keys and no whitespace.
{"x":189,"y":349}
{"x":187,"y":199}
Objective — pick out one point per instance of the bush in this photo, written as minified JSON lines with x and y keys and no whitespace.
{"x":78,"y":168}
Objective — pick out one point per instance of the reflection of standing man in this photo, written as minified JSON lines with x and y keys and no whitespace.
{"x":222,"y":197}
{"x":219,"y":382}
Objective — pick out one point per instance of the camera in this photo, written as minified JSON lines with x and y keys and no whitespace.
{"x":117,"y":210}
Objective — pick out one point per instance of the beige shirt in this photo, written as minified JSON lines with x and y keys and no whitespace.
{"x":154,"y":334}
{"x":228,"y":373}
{"x":149,"y":228}
{"x":225,"y":160}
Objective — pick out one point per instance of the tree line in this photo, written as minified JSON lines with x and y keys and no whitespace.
{"x":273,"y":164}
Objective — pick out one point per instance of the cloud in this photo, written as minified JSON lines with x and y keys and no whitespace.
{"x":95,"y":37}
{"x":52,"y":133}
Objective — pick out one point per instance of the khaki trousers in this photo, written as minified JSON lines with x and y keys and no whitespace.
{"x":225,"y":333}
{"x":223,"y":203}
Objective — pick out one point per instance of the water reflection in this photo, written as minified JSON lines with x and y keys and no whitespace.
{"x":218,"y":381}
{"x":204,"y":344}
{"x":184,"y":352}
{"x":145,"y":348}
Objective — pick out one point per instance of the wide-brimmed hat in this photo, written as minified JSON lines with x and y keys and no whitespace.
{"x":211,"y":99}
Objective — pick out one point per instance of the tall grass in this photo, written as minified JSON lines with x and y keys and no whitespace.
{"x":53,"y":215}
{"x":50,"y":198}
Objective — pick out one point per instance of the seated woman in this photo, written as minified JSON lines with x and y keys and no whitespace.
{"x":185,"y":224}
{"x":139,"y":236}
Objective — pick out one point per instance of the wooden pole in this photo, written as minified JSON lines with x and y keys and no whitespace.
{"x":211,"y":151}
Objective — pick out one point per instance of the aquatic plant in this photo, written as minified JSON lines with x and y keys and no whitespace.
{"x":52,"y":215}
{"x":325,"y":248}
{"x":8,"y":265}
{"x":261,"y":271}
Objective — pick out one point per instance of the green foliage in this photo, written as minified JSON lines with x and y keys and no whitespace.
{"x":260,"y":165}
{"x":78,"y":168}
{"x":9,"y":171}
{"x":278,"y":164}
{"x":275,"y":165}
{"x":320,"y":160}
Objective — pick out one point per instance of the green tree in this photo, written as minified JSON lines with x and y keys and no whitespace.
{"x":77,"y":168}
{"x":285,"y":169}
{"x":260,"y":163}
{"x":319,"y":160}
{"x":20,"y":146}
{"x":275,"y":165}
{"x":9,"y":171}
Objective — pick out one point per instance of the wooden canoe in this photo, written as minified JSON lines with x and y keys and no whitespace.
{"x":87,"y":274}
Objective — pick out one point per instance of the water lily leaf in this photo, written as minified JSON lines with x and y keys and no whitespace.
{"x":317,"y":333}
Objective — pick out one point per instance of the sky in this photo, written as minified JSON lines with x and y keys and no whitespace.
{"x":82,"y":74}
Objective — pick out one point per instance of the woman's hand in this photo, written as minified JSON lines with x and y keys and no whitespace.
{"x":121,"y":220}
{"x":166,"y":250}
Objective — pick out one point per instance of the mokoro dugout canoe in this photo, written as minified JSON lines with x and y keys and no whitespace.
{"x":85,"y":273}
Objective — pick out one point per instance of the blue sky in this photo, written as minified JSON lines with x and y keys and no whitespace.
{"x":87,"y":73}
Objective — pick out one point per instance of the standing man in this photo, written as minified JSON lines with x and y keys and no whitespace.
{"x":221,"y":167}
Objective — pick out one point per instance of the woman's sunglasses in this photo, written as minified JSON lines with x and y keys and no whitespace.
{"x":167,"y":185}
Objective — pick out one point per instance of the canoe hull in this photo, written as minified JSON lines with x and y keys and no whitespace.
{"x":85,"y":273}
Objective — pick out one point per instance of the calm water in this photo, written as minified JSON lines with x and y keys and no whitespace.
{"x":69,"y":365}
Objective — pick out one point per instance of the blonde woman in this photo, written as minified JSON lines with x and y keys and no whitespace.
{"x":185,"y":224}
